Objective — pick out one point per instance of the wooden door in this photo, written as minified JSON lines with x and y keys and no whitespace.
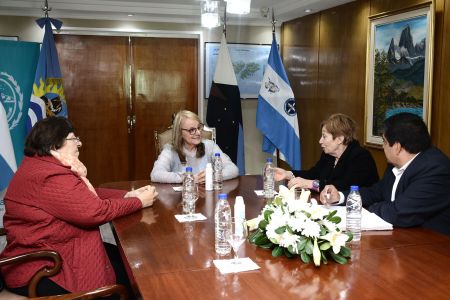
{"x":165,"y":77}
{"x":108,"y":80}
{"x":94,"y":70}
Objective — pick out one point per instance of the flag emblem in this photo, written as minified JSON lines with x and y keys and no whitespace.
{"x":12,"y":99}
{"x":289,"y":107}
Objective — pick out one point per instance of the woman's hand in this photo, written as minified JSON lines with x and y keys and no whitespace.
{"x":200,"y":177}
{"x":329,"y":195}
{"x":300,"y":183}
{"x":280,"y":174}
{"x":147,"y":194}
{"x":70,"y":161}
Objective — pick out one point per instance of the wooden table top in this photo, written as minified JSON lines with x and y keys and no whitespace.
{"x":172,"y":260}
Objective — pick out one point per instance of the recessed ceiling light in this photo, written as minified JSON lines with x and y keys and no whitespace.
{"x":308,"y":10}
{"x":130,"y":15}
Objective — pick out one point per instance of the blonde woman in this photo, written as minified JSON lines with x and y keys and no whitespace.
{"x":188,"y":149}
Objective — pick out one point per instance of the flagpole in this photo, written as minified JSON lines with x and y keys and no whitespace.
{"x":46,"y":9}
{"x":273,"y":22}
{"x":224,"y":30}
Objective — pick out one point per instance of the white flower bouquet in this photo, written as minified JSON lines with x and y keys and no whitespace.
{"x":300,"y":228}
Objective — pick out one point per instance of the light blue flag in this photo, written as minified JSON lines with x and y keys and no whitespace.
{"x":17,"y":67}
{"x":8,"y":164}
{"x":48,"y":97}
{"x":276,"y":116}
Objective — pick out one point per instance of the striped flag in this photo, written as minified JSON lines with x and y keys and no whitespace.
{"x":48,"y":93}
{"x":8,"y":164}
{"x":224,"y":109}
{"x":276,"y":116}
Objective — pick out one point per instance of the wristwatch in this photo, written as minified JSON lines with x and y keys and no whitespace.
{"x":316,"y":185}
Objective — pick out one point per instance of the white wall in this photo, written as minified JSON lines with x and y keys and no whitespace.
{"x":27,"y":30}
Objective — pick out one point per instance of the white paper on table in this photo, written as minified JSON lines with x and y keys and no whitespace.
{"x":226,"y":266}
{"x":178,"y":188}
{"x":186,"y":218}
{"x":369,"y":221}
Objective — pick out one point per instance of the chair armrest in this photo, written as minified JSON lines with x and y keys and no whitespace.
{"x":44,"y":272}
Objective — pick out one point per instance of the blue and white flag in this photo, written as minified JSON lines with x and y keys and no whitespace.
{"x":8,"y":164}
{"x":48,"y":93}
{"x":224,"y":109}
{"x":17,"y":68}
{"x":276,"y":116}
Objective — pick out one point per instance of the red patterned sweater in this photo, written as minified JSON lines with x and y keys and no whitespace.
{"x":48,"y":207}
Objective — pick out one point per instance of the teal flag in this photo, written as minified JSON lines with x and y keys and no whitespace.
{"x":18,"y":61}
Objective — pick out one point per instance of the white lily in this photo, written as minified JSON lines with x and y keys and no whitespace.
{"x":254,"y":223}
{"x":316,"y":254}
{"x":286,"y":194}
{"x":336,"y":239}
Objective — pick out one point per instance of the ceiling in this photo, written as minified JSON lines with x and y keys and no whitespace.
{"x":173,"y":11}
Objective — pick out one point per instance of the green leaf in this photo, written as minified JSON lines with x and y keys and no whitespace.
{"x":336,"y":219}
{"x":309,"y":247}
{"x":325,"y":246}
{"x":302,"y":244}
{"x":287,"y":253}
{"x":255,"y":235}
{"x":289,"y":229}
{"x":291,"y":250}
{"x":277,"y":251}
{"x":323,"y":230}
{"x":350,"y":236}
{"x":263,"y":224}
{"x":331,"y":214}
{"x":261,"y":240}
{"x":305,"y":257}
{"x":338,"y":258}
{"x":266,"y":246}
{"x":267,"y":214}
{"x":324,"y":258}
{"x":345,"y":252}
{"x":280,"y":230}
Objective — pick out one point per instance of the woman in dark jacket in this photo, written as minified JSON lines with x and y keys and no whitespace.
{"x":342,"y":163}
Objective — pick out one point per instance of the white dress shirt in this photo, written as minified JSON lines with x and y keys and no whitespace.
{"x":398,"y":172}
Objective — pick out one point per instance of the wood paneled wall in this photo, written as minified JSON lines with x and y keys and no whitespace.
{"x":325,"y":58}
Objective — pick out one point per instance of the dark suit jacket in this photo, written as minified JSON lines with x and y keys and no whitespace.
{"x":355,"y":167}
{"x":422,"y":197}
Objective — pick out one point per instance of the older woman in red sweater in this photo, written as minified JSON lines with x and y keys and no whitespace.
{"x":50,"y":205}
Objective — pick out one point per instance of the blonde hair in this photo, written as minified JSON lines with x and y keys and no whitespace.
{"x":341,"y":125}
{"x":177,"y":137}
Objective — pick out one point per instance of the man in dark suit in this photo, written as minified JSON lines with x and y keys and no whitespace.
{"x":415,"y":189}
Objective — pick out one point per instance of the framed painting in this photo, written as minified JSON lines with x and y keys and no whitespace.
{"x":249,"y":62}
{"x":399,"y":68}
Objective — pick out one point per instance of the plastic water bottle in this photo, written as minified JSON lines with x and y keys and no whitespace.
{"x":217,"y":172}
{"x":222,"y":222}
{"x":188,"y":192}
{"x":209,"y":177}
{"x":354,"y":206}
{"x":269,"y":180}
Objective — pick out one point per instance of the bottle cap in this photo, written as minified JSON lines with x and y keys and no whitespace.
{"x":188,"y":169}
{"x":354,"y":188}
{"x":222,"y":196}
{"x":269,"y":159}
{"x":239,"y":200}
{"x":217,"y":154}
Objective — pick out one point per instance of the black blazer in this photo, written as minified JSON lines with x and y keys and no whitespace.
{"x":422,"y":197}
{"x":355,"y":167}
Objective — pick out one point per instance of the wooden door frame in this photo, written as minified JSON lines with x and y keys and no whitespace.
{"x":153,"y":33}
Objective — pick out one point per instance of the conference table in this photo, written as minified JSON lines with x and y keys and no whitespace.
{"x":172,"y":260}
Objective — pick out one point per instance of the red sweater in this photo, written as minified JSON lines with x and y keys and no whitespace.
{"x":48,"y":207}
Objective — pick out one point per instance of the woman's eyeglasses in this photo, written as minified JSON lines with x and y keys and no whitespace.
{"x":193,"y":130}
{"x":76,"y":139}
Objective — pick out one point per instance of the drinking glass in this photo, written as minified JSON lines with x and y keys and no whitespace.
{"x":237,"y":236}
{"x":189,"y":202}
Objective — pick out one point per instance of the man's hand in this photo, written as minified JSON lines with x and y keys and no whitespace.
{"x":299,"y":182}
{"x":280,"y":174}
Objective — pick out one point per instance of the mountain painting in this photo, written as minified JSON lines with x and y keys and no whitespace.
{"x":399,"y":69}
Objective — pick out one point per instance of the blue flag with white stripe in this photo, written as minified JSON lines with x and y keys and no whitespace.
{"x":48,"y":97}
{"x":276,"y":115}
{"x":8,"y":164}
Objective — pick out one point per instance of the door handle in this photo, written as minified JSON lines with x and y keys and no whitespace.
{"x":131,"y":120}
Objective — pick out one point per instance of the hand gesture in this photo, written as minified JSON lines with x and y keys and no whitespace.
{"x":280,"y":174}
{"x":329,"y":195}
